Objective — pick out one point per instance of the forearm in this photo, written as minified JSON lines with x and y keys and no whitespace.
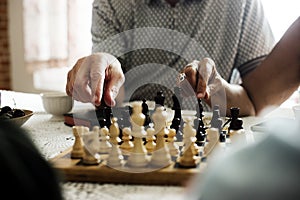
{"x":278,"y":76}
{"x":232,"y":95}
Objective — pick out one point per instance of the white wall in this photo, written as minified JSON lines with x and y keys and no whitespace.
{"x":281,"y":14}
{"x":21,"y":79}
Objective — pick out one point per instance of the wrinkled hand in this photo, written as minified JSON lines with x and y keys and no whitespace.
{"x":95,"y":76}
{"x":201,"y":77}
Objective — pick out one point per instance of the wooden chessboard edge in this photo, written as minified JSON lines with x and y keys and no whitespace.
{"x":104,"y":174}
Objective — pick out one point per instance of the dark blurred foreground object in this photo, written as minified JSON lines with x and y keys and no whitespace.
{"x":25,"y":173}
{"x":267,"y":169}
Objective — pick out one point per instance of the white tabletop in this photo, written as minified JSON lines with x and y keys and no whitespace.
{"x":52,"y":136}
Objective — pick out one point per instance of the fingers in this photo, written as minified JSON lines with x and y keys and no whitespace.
{"x":202,"y":77}
{"x":187,"y":81}
{"x":82,"y":84}
{"x":115,"y":80}
{"x":195,"y":81}
{"x":71,"y":77}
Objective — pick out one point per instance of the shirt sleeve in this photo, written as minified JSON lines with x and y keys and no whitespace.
{"x":256,"y":39}
{"x":110,"y":19}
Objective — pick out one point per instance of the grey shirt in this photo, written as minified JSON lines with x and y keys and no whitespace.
{"x":161,"y":39}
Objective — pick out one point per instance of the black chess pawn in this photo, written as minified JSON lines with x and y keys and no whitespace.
{"x":222,"y":136}
{"x":145,"y":111}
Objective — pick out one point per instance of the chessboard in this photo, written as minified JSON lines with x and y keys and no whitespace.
{"x":136,"y":145}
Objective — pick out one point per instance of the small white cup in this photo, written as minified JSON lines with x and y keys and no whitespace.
{"x":296,"y":110}
{"x":57,"y":103}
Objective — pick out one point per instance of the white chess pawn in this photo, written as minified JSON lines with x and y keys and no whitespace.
{"x":104,"y":146}
{"x":127,"y":145}
{"x":161,"y":156}
{"x":171,"y":143}
{"x":138,"y":155}
{"x":150,"y":139}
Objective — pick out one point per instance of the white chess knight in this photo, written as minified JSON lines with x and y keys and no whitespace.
{"x":138,"y":155}
{"x":161,"y":156}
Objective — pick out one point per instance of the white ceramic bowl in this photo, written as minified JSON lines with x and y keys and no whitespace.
{"x":57,"y":103}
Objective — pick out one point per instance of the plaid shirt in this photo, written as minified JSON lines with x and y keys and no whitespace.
{"x":156,"y":37}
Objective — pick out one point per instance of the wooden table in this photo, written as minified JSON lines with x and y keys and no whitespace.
{"x":52,"y":137}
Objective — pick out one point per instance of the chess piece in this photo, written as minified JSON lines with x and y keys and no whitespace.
{"x":159,"y":99}
{"x":161,"y":156}
{"x":108,"y":115}
{"x":145,"y":111}
{"x":150,"y":139}
{"x":104,"y":146}
{"x":223,"y":136}
{"x":138,"y":155}
{"x":216,"y":120}
{"x":236,"y":123}
{"x":212,"y":140}
{"x":171,"y":143}
{"x":200,"y":135}
{"x":77,"y":149}
{"x":189,"y":136}
{"x":188,"y":158}
{"x":115,"y":158}
{"x":114,"y":132}
{"x":127,"y":144}
{"x":177,"y":121}
{"x":91,"y":143}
